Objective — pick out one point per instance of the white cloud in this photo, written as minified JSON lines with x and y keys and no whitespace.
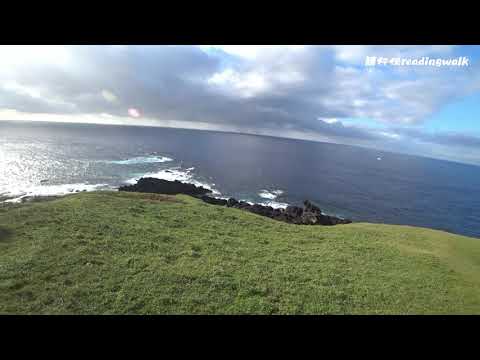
{"x":109,"y":96}
{"x":329,"y":120}
{"x":252,"y":52}
{"x":15,"y":56}
{"x":390,"y":135}
{"x":19,"y":89}
{"x":246,"y":85}
{"x":37,"y":94}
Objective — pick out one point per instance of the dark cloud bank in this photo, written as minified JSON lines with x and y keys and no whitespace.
{"x":283,"y":93}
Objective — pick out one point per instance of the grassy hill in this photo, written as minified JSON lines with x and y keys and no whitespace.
{"x":133,"y":253}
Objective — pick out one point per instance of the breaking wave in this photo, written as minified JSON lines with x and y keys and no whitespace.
{"x":142,"y":160}
{"x":16,"y":195}
{"x":270,"y":194}
{"x":275,"y":204}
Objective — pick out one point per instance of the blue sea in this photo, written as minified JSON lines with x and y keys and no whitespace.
{"x":40,"y":158}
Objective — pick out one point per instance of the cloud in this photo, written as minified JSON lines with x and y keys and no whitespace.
{"x":109,"y":96}
{"x":303,"y":91}
{"x":449,"y":138}
{"x":244,"y":85}
{"x":303,"y":82}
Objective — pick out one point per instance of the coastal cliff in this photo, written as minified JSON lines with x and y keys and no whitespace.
{"x":310,"y":214}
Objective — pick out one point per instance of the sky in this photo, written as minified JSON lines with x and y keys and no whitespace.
{"x":320,"y":93}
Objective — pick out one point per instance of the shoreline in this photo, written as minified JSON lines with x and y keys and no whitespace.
{"x":309,"y":214}
{"x":46,"y":198}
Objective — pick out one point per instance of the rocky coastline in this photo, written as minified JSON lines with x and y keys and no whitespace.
{"x":309,"y":214}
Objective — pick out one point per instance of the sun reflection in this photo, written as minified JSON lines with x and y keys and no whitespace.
{"x":134,"y":113}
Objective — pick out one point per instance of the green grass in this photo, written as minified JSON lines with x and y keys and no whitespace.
{"x":132,"y":253}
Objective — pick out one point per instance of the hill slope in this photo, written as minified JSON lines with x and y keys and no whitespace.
{"x":112,"y":253}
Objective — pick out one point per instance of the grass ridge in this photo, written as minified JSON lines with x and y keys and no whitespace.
{"x":134,"y":253}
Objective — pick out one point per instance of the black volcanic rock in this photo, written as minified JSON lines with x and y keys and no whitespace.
{"x":232,"y":202}
{"x":261,"y":210}
{"x":310,"y":214}
{"x":160,"y":186}
{"x":309,"y":207}
{"x":214,"y":201}
{"x":294,"y":211}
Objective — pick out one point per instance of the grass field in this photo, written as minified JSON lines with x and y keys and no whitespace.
{"x":132,"y":253}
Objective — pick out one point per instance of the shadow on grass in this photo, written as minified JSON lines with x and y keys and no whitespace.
{"x":5,"y":234}
{"x":144,"y":196}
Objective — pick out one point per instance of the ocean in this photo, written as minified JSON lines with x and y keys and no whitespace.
{"x":365,"y":185}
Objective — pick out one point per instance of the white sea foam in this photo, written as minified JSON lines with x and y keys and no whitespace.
{"x":275,"y":204}
{"x":222,"y":197}
{"x":266,"y":194}
{"x":17,"y":194}
{"x":142,"y":160}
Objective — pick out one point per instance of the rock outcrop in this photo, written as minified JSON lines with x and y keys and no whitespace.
{"x":160,"y":186}
{"x":310,"y":214}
